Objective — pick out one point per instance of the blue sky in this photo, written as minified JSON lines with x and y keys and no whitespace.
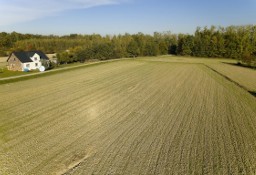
{"x":60,"y":17}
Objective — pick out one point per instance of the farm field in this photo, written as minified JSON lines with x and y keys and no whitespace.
{"x":143,"y":116}
{"x":192,"y":60}
{"x":3,"y":62}
{"x":243,"y":76}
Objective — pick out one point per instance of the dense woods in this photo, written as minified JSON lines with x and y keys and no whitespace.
{"x":236,"y":42}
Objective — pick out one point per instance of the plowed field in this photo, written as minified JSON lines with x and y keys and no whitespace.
{"x":128,"y":117}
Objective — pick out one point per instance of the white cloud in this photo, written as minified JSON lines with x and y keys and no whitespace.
{"x":15,"y":11}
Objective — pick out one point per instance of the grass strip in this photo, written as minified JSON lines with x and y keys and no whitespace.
{"x":51,"y":72}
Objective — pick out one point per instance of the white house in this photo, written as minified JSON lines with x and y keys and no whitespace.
{"x":32,"y":65}
{"x":26,"y":60}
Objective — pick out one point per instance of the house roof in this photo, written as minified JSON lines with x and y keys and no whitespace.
{"x":24,"y":56}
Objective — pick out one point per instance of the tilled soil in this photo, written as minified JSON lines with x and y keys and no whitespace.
{"x":128,"y":117}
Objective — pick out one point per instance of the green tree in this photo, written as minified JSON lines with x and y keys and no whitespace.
{"x":185,"y":45}
{"x":133,"y":49}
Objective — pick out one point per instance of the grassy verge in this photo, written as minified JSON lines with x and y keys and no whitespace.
{"x":4,"y":73}
{"x":12,"y":76}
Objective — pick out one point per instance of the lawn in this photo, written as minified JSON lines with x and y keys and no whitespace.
{"x":141,"y":116}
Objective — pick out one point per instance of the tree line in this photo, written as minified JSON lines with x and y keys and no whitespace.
{"x":236,"y":42}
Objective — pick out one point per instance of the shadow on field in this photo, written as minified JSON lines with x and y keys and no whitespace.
{"x":240,"y":65}
{"x":253,"y":93}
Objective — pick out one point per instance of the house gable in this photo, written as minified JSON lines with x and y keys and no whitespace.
{"x":41,"y":55}
{"x":36,"y":61}
{"x":35,"y":58}
{"x":13,"y":63}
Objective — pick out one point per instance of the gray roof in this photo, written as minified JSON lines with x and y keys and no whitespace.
{"x":24,"y":56}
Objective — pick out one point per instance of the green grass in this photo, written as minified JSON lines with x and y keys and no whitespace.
{"x":2,"y":65}
{"x":4,"y":73}
{"x":15,"y":76}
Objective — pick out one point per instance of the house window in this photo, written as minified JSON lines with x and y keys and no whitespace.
{"x":35,"y":58}
{"x":27,"y":65}
{"x":36,"y":64}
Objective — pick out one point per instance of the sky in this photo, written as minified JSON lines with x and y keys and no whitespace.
{"x":62,"y":17}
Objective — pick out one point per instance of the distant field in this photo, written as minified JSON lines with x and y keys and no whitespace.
{"x":246,"y":77}
{"x":146,"y":116}
{"x":51,"y":56}
{"x":3,"y":59}
{"x":179,"y":59}
{"x":3,"y":62}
